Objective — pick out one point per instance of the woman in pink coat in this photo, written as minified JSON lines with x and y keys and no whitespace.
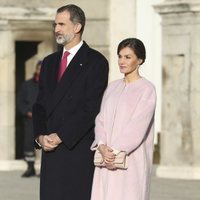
{"x":125,"y":123}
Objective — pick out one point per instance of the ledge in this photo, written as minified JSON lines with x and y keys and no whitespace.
{"x":45,"y":14}
{"x":177,"y":7}
{"x":178,"y":172}
{"x":15,"y":13}
{"x":9,"y":165}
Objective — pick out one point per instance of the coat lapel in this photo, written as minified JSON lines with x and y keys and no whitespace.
{"x":53,"y":67}
{"x":70,"y":75}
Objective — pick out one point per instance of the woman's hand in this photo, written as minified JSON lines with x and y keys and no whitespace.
{"x":108,"y":155}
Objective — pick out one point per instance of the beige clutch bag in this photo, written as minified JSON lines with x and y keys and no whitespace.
{"x":120,"y":160}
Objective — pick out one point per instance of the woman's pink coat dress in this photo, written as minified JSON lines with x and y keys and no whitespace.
{"x":125,"y":123}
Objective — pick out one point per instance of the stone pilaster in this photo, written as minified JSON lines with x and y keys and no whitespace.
{"x":180,"y":135}
{"x":7,"y":88}
{"x":13,"y":28}
{"x":122,"y":25}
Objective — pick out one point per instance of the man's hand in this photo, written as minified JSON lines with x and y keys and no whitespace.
{"x":55,"y":138}
{"x":29,"y":114}
{"x":49,"y":142}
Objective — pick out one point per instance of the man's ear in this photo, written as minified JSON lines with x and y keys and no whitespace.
{"x":77,"y":28}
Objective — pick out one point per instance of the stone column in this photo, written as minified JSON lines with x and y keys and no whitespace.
{"x":7,"y":88}
{"x":122,"y":25}
{"x":180,"y":135}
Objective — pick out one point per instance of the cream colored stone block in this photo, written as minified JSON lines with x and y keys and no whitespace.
{"x":93,"y":9}
{"x":178,"y":172}
{"x":7,"y":142}
{"x":176,"y":74}
{"x":96,"y":33}
{"x":7,"y":72}
{"x":176,"y":146}
{"x":195,"y":126}
{"x":196,"y":146}
{"x":175,"y":44}
{"x":37,"y":28}
{"x":44,"y":48}
{"x":122,"y":24}
{"x":168,"y":155}
{"x":194,"y":106}
{"x":29,"y":35}
{"x":178,"y":19}
{"x":7,"y":58}
{"x":8,"y":165}
{"x":195,"y":72}
{"x":7,"y":107}
{"x":195,"y":42}
{"x":176,"y":129}
{"x":37,"y":8}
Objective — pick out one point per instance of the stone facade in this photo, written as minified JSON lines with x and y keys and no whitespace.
{"x":26,"y":21}
{"x":32,"y":21}
{"x":108,"y":22}
{"x":180,"y":134}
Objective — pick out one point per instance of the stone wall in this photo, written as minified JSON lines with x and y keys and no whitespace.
{"x":96,"y":31}
{"x":108,"y":22}
{"x":180,"y":135}
{"x":32,"y":21}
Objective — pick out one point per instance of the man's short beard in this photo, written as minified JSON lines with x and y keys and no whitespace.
{"x":64,"y":39}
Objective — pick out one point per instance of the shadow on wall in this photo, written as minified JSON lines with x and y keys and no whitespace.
{"x":156,"y":153}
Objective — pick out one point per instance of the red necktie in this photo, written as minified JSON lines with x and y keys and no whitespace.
{"x":63,"y":65}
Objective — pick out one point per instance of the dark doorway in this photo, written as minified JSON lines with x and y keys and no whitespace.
{"x":24,"y":50}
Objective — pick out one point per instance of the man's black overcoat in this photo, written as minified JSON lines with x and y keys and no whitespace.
{"x":69,"y":108}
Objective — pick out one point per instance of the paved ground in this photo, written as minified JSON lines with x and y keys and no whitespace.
{"x":170,"y":189}
{"x":13,"y":187}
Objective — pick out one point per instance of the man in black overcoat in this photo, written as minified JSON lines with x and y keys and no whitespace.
{"x":65,"y":110}
{"x":25,"y":99}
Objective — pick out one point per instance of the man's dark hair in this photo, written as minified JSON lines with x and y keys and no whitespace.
{"x":76,"y":14}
